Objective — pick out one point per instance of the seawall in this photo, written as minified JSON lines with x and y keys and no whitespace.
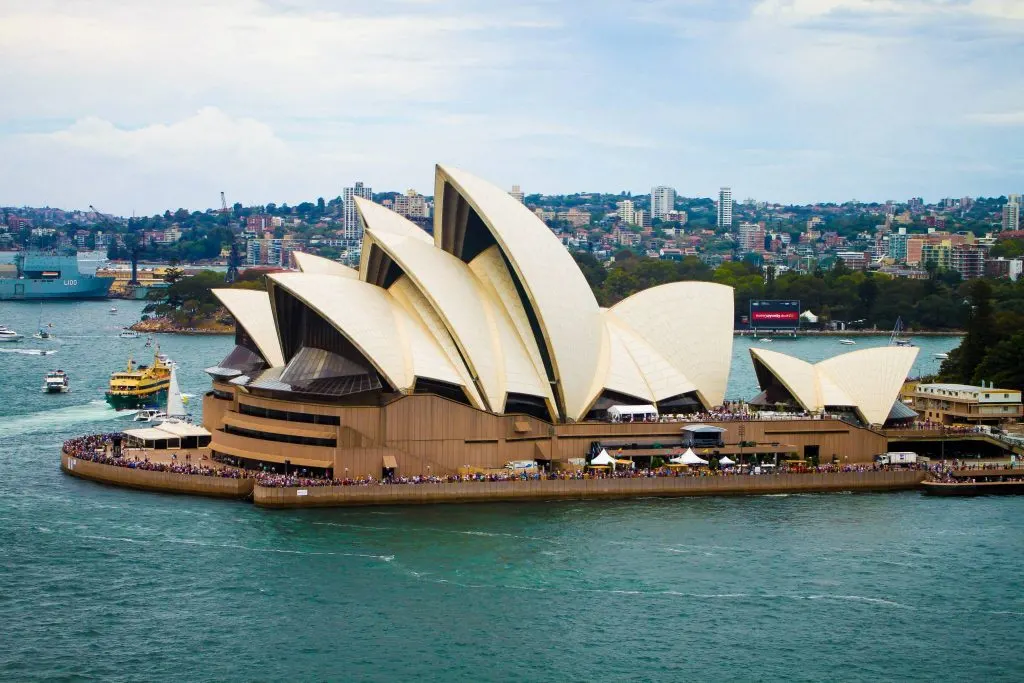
{"x":165,"y":482}
{"x":487,"y":492}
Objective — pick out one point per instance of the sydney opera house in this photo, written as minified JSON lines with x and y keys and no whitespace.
{"x":483,"y":344}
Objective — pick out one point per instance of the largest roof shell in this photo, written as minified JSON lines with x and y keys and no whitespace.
{"x":571,"y":331}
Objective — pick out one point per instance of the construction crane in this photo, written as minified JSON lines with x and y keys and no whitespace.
{"x":223,"y":203}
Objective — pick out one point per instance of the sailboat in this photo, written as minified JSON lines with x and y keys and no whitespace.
{"x":176,"y":411}
{"x":895,"y":339}
{"x":44,"y":332}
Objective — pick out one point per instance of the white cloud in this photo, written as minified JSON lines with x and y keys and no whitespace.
{"x":1006,"y":118}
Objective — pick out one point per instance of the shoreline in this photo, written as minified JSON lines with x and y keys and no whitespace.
{"x":247,"y":489}
{"x":165,"y":326}
{"x":847,"y":333}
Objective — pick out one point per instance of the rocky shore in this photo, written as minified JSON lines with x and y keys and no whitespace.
{"x":168,"y":326}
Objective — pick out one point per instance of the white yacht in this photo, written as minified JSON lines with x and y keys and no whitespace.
{"x":765,"y":340}
{"x":113,"y":309}
{"x":942,"y":356}
{"x":175,"y":412}
{"x":56,"y":382}
{"x":128,"y":334}
{"x":848,"y":342}
{"x":149,"y":415}
{"x":9,"y":335}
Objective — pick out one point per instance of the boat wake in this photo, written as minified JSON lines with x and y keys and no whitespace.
{"x":49,"y":420}
{"x":31,"y":352}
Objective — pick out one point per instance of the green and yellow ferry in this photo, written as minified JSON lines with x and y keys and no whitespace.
{"x":140,"y":386}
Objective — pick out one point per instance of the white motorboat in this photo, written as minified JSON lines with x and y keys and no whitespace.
{"x":128,"y":334}
{"x":149,"y":415}
{"x":942,"y":356}
{"x":9,"y":335}
{"x":765,"y":340}
{"x":848,"y":342}
{"x":113,"y":309}
{"x":56,"y":382}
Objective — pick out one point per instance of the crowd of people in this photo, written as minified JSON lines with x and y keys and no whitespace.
{"x":98,"y":448}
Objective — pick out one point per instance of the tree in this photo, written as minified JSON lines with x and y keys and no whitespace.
{"x":1002,"y":364}
{"x":173,"y":275}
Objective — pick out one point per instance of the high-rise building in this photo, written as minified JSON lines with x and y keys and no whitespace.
{"x":1011,"y":213}
{"x":626,"y":211}
{"x":663,"y":200}
{"x":967,"y":260}
{"x":517,"y":193}
{"x":725,"y":207}
{"x":350,"y":218}
{"x":751,"y":237}
{"x":898,"y":245}
{"x":411,"y":205}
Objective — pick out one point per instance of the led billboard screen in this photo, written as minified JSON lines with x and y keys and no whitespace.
{"x":774,"y":314}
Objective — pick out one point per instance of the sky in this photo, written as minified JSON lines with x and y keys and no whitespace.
{"x":140,"y":107}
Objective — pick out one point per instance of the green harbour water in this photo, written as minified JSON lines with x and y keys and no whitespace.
{"x":100,"y":583}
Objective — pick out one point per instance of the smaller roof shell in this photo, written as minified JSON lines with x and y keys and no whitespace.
{"x":252,"y":310}
{"x":308,"y":263}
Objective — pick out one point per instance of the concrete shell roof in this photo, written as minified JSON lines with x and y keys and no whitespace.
{"x":397,"y":344}
{"x":689,"y":326}
{"x":867,"y":380}
{"x":318,"y":265}
{"x":567,"y":313}
{"x":481,"y":327}
{"x":252,"y":310}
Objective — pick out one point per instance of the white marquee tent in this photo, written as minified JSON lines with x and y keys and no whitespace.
{"x":689,"y":458}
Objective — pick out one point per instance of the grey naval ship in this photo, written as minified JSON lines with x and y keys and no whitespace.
{"x":38,"y":275}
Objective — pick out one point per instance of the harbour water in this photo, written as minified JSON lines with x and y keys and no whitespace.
{"x":104,"y":583}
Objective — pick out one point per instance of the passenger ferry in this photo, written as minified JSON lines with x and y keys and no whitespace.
{"x":56,"y":382}
{"x":140,"y":386}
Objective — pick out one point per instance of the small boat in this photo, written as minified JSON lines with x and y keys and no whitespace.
{"x":9,"y":335}
{"x":44,"y":332}
{"x":149,"y":415}
{"x":895,"y":339}
{"x":113,"y":309}
{"x":128,"y":334}
{"x":942,"y":356}
{"x":848,"y":342}
{"x":56,"y":382}
{"x":149,"y":342}
{"x":765,"y":340}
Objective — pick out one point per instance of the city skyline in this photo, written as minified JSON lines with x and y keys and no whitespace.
{"x":104,"y":106}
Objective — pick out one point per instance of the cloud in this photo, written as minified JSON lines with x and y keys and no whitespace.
{"x":156,"y":105}
{"x":1006,"y":118}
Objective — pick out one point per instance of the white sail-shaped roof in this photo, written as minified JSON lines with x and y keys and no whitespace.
{"x":398,"y":346}
{"x":486,"y":338}
{"x":318,"y":265}
{"x":494,"y":304}
{"x":867,"y":380}
{"x":252,"y":310}
{"x":569,"y":325}
{"x":689,"y":326}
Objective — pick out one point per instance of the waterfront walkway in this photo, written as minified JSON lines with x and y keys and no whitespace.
{"x":89,"y":458}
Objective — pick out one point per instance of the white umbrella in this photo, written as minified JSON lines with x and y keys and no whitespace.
{"x":726,"y":461}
